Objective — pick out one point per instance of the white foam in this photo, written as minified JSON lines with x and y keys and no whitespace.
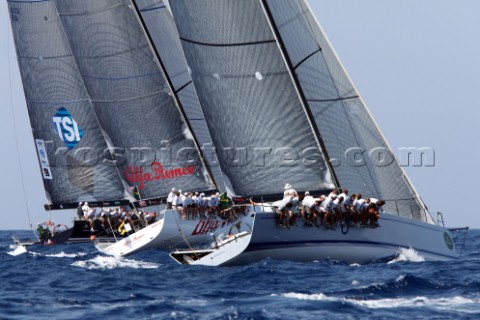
{"x":66,"y":255}
{"x":407,"y":255}
{"x":458,"y":303}
{"x":103,"y":262}
{"x":18,"y":251}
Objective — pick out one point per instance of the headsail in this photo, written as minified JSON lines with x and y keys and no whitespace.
{"x":66,"y":131}
{"x":365,"y":162}
{"x":262,"y":136}
{"x":131,"y":97}
{"x":161,"y":27}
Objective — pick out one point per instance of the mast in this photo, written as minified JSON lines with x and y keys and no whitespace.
{"x":300,"y":93}
{"x":172,"y":90}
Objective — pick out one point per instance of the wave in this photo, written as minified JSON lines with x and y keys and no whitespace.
{"x":103,"y":262}
{"x":403,"y":284}
{"x":457,"y":303}
{"x":407,"y":255}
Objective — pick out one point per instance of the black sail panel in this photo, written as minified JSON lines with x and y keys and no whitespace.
{"x":257,"y":122}
{"x":72,"y":152}
{"x":134,"y":105}
{"x":363,"y":160}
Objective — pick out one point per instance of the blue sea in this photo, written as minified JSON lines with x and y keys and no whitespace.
{"x":76,"y":282}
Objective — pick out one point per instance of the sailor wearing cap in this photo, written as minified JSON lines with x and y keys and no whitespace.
{"x":289,"y":191}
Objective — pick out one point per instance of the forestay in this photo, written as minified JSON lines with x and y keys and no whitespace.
{"x":65,"y":128}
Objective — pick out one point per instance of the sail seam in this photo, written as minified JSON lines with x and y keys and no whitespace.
{"x":46,"y":58}
{"x":238,"y":44}
{"x":146,"y":75}
{"x":132,"y":98}
{"x":112,"y":54}
{"x":88,"y":13}
{"x":59,"y":102}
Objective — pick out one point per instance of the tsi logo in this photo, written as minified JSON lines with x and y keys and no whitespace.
{"x":67,"y":128}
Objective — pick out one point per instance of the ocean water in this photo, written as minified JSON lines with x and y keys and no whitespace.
{"x":77,"y":282}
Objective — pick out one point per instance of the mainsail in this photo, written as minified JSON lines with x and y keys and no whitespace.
{"x":270,"y":78}
{"x":262,"y":136}
{"x":64,"y":125}
{"x":153,"y":146}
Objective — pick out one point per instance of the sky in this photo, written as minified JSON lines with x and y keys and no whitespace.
{"x":415,"y":63}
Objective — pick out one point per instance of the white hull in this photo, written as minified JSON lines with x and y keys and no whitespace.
{"x":165,"y":234}
{"x":220,"y":252}
{"x":358,"y":245}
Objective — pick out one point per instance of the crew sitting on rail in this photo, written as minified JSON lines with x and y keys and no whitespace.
{"x":350,"y":216}
{"x":326,"y":210}
{"x":374,"y":210}
{"x":358,"y":208}
{"x":308,"y":202}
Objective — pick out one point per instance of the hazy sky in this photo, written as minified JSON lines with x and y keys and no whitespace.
{"x":416,"y":64}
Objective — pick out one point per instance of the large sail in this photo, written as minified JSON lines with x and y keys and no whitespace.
{"x":364,"y":161}
{"x":258,"y":125}
{"x":132,"y":100}
{"x":161,"y":27}
{"x":73,"y":155}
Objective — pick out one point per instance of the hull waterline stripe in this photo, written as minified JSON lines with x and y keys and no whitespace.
{"x":277,"y":245}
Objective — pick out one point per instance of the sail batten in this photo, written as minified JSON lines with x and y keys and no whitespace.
{"x":238,"y":44}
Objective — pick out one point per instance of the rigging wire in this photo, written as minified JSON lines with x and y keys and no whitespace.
{"x":16,"y":141}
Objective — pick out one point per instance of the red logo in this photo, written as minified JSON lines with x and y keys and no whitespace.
{"x":156,"y":172}
{"x":209,"y":225}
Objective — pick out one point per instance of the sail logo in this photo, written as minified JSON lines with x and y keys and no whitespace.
{"x":67,"y":128}
{"x":156,"y":172}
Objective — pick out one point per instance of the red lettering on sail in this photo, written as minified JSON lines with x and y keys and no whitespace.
{"x":139,"y":176}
